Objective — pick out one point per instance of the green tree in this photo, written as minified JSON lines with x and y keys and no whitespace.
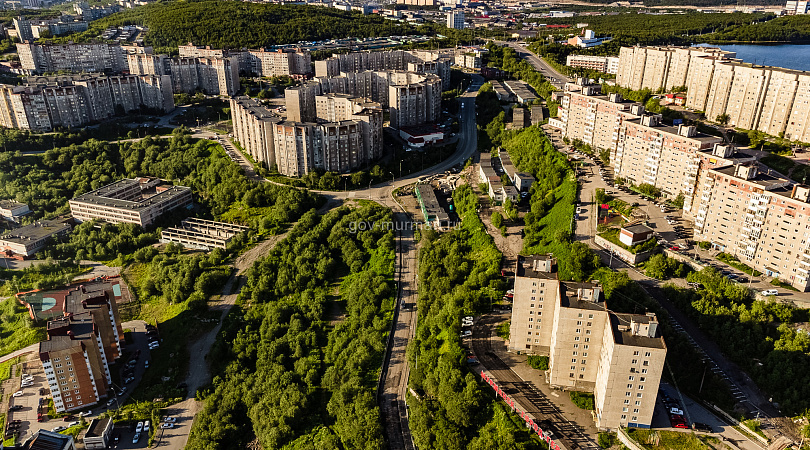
{"x":722,"y":119}
{"x":497,"y":220}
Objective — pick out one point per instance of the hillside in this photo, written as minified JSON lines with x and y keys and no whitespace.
{"x":794,"y":29}
{"x":241,"y":24}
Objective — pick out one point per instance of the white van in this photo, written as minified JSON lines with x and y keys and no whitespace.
{"x":769,"y":292}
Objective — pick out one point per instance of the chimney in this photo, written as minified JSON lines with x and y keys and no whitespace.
{"x":650,"y":120}
{"x":723,"y":150}
{"x":637,"y":110}
{"x":686,"y":130}
{"x":616,"y":97}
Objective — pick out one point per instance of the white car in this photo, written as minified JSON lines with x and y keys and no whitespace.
{"x":146,"y":426}
{"x":166,"y":425}
{"x":136,"y":438}
{"x":85,"y":413}
{"x":73,"y":424}
{"x":139,"y":427}
{"x":58,"y":429}
{"x":767,"y":293}
{"x":170,"y":419}
{"x":17,"y":394}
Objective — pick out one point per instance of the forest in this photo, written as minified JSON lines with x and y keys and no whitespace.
{"x":458,"y":275}
{"x":223,"y":24}
{"x":628,"y":29}
{"x":793,"y":29}
{"x":297,"y":360}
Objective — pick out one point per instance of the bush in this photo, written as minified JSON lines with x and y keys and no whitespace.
{"x":583,"y":400}
{"x":607,"y":440}
{"x":503,"y":330}
{"x":538,"y":362}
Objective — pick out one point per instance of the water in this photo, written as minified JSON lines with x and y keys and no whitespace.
{"x":796,"y":57}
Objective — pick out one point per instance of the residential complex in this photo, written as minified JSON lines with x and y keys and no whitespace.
{"x":337,"y":132}
{"x":497,"y":190}
{"x":797,"y":7}
{"x":418,"y":61}
{"x":291,"y":62}
{"x":604,"y":64}
{"x":759,"y":217}
{"x":141,"y":201}
{"x":28,"y":30}
{"x":24,"y":242}
{"x":214,"y":75}
{"x":769,"y":99}
{"x":618,"y":357}
{"x":43,"y":103}
{"x":455,"y":19}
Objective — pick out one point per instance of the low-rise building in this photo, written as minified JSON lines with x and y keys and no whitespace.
{"x":604,"y":64}
{"x":432,"y":211}
{"x":523,"y":92}
{"x":631,"y":235}
{"x":202,"y":234}
{"x":24,"y":242}
{"x":618,"y":357}
{"x":139,"y":200}
{"x":99,"y":433}
{"x":48,"y":440}
{"x":420,"y":136}
{"x":13,"y":210}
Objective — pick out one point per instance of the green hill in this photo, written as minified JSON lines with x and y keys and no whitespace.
{"x":241,"y":24}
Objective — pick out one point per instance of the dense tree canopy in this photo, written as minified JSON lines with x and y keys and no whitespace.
{"x":285,"y":375}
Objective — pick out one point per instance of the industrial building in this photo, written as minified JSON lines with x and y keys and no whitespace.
{"x":141,"y":201}
{"x":13,"y":211}
{"x":202,"y":234}
{"x":522,"y":91}
{"x":618,"y":357}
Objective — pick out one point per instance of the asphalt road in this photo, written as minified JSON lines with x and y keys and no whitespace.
{"x":555,"y":78}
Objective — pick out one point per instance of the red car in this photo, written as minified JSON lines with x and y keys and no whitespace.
{"x":675,"y":248}
{"x":677,"y":421}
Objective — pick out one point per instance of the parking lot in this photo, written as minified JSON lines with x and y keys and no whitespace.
{"x":24,"y":406}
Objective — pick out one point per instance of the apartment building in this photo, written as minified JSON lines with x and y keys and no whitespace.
{"x":219,"y":76}
{"x":769,"y":99}
{"x":616,"y":356}
{"x":72,"y":101}
{"x":100,"y":300}
{"x":368,"y":115}
{"x":28,"y":30}
{"x":202,"y":234}
{"x":141,"y":201}
{"x":666,"y":157}
{"x":300,"y":101}
{"x":661,"y":67}
{"x":253,"y":127}
{"x":214,"y":75}
{"x":604,"y":64}
{"x":92,"y":57}
{"x":455,"y":19}
{"x":419,"y":61}
{"x":74,"y":362}
{"x":594,"y":119}
{"x":797,"y":7}
{"x":759,"y":217}
{"x":290,"y":62}
{"x":297,"y":147}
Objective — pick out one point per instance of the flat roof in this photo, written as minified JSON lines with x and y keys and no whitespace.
{"x":97,"y":427}
{"x":525,"y":267}
{"x":8,"y":204}
{"x":674,"y":131}
{"x":100,"y":196}
{"x":35,"y":231}
{"x":256,"y":109}
{"x":763,"y":179}
{"x":80,"y":326}
{"x":638,"y":228}
{"x":569,"y":297}
{"x":431,"y":204}
{"x":627,"y":337}
{"x":47,"y":440}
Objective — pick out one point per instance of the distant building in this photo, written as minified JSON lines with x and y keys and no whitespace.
{"x":524,"y":34}
{"x":25,"y":242}
{"x":605,"y":64}
{"x":587,"y":40}
{"x":523,"y":92}
{"x":537,"y":114}
{"x":202,"y":234}
{"x":13,"y":210}
{"x":618,"y":357}
{"x":141,"y":201}
{"x":455,"y":19}
{"x":28,"y":30}
{"x":468,"y":61}
{"x":90,"y":57}
{"x":797,"y":7}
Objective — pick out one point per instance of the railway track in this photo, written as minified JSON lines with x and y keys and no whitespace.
{"x":565,"y":433}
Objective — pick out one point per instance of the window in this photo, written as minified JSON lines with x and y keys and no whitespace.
{"x":579,"y":322}
{"x":629,"y":386}
{"x":646,"y":363}
{"x":643,"y":370}
{"x":638,"y":395}
{"x":624,"y":416}
{"x":635,"y":353}
{"x":579,"y":315}
{"x":585,"y":354}
{"x":631,"y":378}
{"x":571,"y":375}
{"x":638,"y":403}
{"x":587,"y":339}
{"x":640,"y":387}
{"x":575,"y":353}
{"x":586,"y":347}
{"x":590,"y":316}
{"x":627,"y":394}
{"x":635,"y":418}
{"x":635,"y":361}
{"x":635,"y":411}
{"x":579,"y":330}
{"x":646,"y":354}
{"x":576,"y":338}
{"x":626,"y":402}
{"x":574,"y":361}
{"x":67,"y":357}
{"x":642,"y":379}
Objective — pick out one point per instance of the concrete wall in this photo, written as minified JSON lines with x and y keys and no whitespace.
{"x":620,"y":252}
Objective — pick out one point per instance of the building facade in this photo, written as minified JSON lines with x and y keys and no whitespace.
{"x":604,"y":64}
{"x":759,"y":217}
{"x":616,"y":356}
{"x":140,"y":201}
{"x":455,"y":19}
{"x":92,"y":57}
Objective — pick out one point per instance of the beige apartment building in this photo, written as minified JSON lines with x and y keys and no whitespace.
{"x":253,"y":126}
{"x":594,"y":119}
{"x":99,"y":299}
{"x":74,"y":362}
{"x":759,"y":217}
{"x":616,"y":356}
{"x":141,"y":201}
{"x":769,"y":99}
{"x":420,"y":61}
{"x":280,"y":62}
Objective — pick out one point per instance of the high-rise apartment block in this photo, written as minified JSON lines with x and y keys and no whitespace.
{"x":291,"y":62}
{"x":141,"y":201}
{"x":343,"y":133}
{"x":91,"y":57}
{"x":28,"y":30}
{"x":419,"y":61}
{"x":759,"y":217}
{"x":616,"y":356}
{"x":72,"y":101}
{"x":768,"y":99}
{"x":455,"y":19}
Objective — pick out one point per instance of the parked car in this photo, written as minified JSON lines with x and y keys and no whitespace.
{"x":699,"y":426}
{"x":170,"y":419}
{"x":136,"y":438}
{"x":73,"y":424}
{"x":58,"y":429}
{"x":146,"y":426}
{"x":166,"y":425}
{"x":17,"y":394}
{"x":15,"y":407}
{"x":139,"y":427}
{"x":85,"y":413}
{"x":769,"y":292}
{"x":466,"y":333}
{"x":115,"y":440}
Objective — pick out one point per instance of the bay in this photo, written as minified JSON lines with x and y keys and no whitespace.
{"x":796,"y":57}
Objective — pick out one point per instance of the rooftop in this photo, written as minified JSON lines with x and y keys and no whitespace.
{"x":626,"y":336}
{"x":570,"y":297}
{"x":47,"y":440}
{"x":430,"y":203}
{"x":35,"y":231}
{"x":97,"y":427}
{"x":638,"y":228}
{"x":9,"y":204}
{"x":67,"y":332}
{"x":108,"y":195}
{"x":764,"y":180}
{"x":674,"y":131}
{"x":255,"y":108}
{"x":534,"y":267}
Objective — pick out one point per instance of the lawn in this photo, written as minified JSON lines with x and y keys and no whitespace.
{"x":734,"y":262}
{"x":17,"y":330}
{"x":503,"y":330}
{"x":5,"y":368}
{"x":556,"y":223}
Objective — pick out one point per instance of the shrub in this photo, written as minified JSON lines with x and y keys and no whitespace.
{"x":583,"y":400}
{"x":538,"y":362}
